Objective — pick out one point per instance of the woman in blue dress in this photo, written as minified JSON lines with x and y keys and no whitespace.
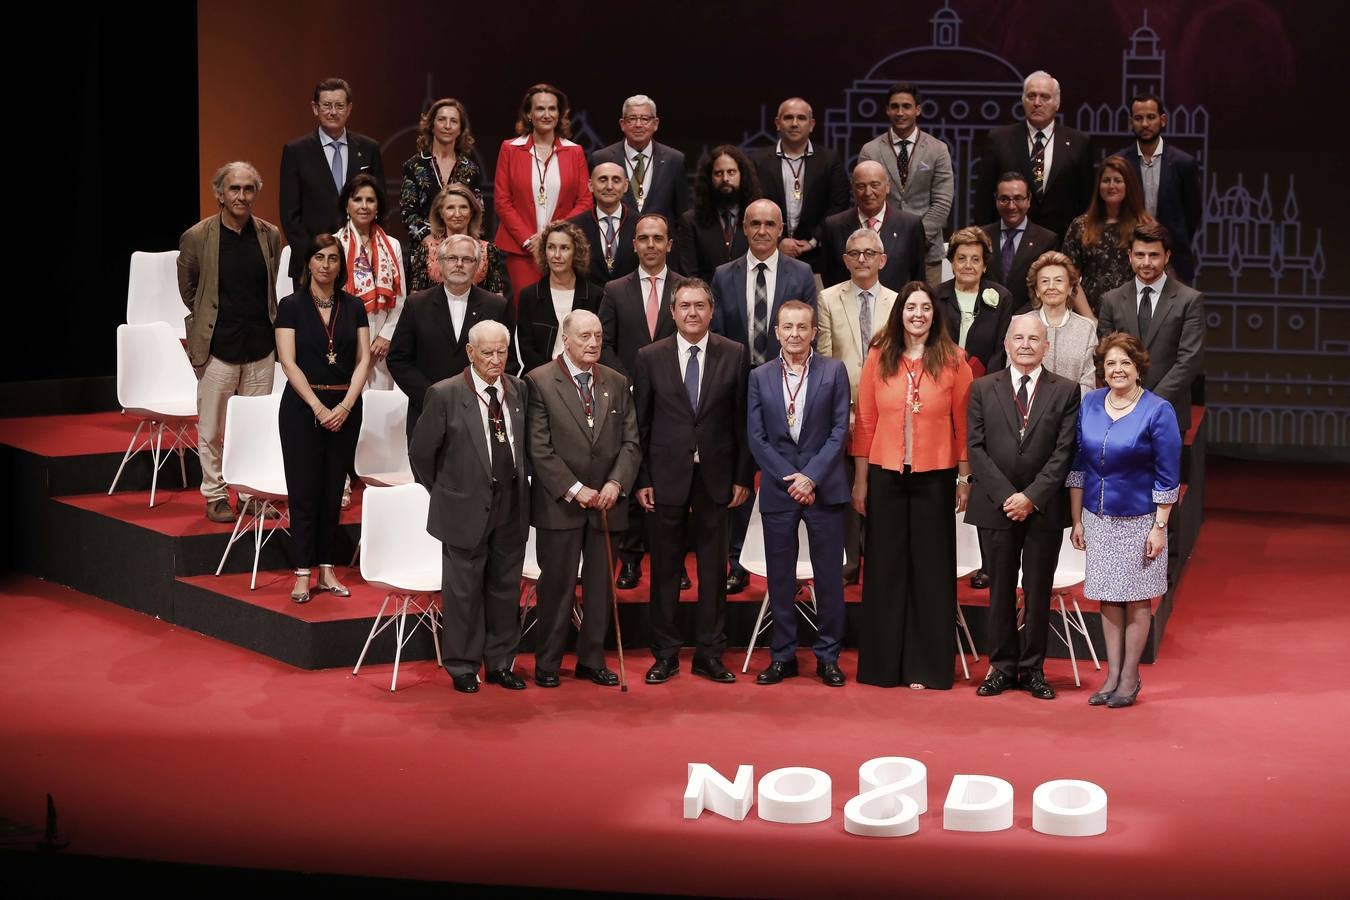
{"x":1124,"y":481}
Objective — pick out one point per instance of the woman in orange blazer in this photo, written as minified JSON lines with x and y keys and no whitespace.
{"x":541,"y":177}
{"x":909,"y":443}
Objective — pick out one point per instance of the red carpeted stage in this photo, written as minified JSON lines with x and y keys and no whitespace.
{"x":159,"y":743}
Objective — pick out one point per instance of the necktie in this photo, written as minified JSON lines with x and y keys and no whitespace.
{"x":503,"y":467}
{"x":653,"y":307}
{"x":865,"y":318}
{"x":728,"y":228}
{"x":1038,"y":163}
{"x":1145,"y":312}
{"x":691,"y":378}
{"x":587,"y":398}
{"x":902,"y":163}
{"x":760,"y":341}
{"x":1022,"y":411}
{"x":1009,"y":249}
{"x":609,"y":239}
{"x":873,"y":222}
{"x":639,"y":174}
{"x":339,"y":170}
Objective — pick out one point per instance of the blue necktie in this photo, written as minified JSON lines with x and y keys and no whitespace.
{"x":1009,"y":249}
{"x":339,"y":170}
{"x":691,"y":379}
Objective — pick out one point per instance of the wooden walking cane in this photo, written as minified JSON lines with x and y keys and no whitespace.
{"x":614,"y":596}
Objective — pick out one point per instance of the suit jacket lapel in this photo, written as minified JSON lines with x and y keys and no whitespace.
{"x":1044,"y":390}
{"x":571,"y":395}
{"x":886,"y":150}
{"x":1164,"y":307}
{"x":473,"y":311}
{"x":600,"y":388}
{"x":853,"y":311}
{"x":1002,"y":386}
{"x":1062,"y":145}
{"x":319,"y":160}
{"x":1130,"y":319}
{"x":476,"y":427}
{"x":517,"y":426}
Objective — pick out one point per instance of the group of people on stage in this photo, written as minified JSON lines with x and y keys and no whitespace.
{"x":683,"y":367}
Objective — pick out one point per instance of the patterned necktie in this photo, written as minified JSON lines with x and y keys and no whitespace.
{"x":639,"y":175}
{"x":1009,"y":249}
{"x":760,"y":341}
{"x":691,"y":378}
{"x":503,"y":467}
{"x":653,"y":307}
{"x":1145,"y":312}
{"x":873,"y":222}
{"x":609,"y":239}
{"x":339,"y":170}
{"x":588,"y":399}
{"x":1023,"y":412}
{"x":1038,"y":164}
{"x":865,"y":318}
{"x":902,"y":163}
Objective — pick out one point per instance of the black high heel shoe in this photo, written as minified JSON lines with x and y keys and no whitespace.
{"x":1100,"y":698}
{"x":1117,"y":700}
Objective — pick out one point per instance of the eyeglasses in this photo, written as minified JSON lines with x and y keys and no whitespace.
{"x":1005,"y":200}
{"x":459,"y":260}
{"x":330,"y":106}
{"x":639,"y":120}
{"x":862,"y":254}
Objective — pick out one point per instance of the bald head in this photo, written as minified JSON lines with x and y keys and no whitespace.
{"x":1026,"y":342}
{"x":763,"y":227}
{"x":608,"y":184}
{"x":794,"y":122}
{"x":581,"y":336}
{"x":870,"y":187}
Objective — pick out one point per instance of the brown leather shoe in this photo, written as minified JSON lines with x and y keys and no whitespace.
{"x":219,"y":511}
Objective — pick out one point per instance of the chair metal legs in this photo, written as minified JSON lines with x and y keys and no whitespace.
{"x":961,"y":626}
{"x":154,"y":442}
{"x":806,"y":608}
{"x":428,"y":615}
{"x":255,"y":522}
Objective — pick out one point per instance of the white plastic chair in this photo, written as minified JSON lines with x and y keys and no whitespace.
{"x":400,"y":556}
{"x":155,"y":382}
{"x":753,"y":559}
{"x":382,"y":446}
{"x":967,"y":561}
{"x":285,"y":286}
{"x":252,"y":464}
{"x":278,"y":378}
{"x":1070,"y":570}
{"x":152,"y":291}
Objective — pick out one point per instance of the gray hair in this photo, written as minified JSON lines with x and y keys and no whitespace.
{"x":487,"y":330}
{"x":1041,"y":73}
{"x":1031,"y":317}
{"x":239,"y":165}
{"x":809,"y":111}
{"x":577,"y":315}
{"x":477,"y":247}
{"x":866,"y":234}
{"x":638,"y":100}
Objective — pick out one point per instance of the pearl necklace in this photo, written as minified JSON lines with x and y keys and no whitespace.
{"x":1128,"y":403}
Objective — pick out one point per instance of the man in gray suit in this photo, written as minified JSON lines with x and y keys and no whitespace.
{"x":920,"y":169}
{"x":657,"y":182}
{"x":1167,"y":316}
{"x":468,"y":450}
{"x":583,"y":440}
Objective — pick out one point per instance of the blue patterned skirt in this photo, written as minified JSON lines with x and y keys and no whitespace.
{"x":1117,"y":569}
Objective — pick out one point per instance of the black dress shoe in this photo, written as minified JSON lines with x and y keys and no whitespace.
{"x":601,"y":676}
{"x":466,"y":684}
{"x":1100,"y":698}
{"x":507,"y":679}
{"x":663,"y":670}
{"x":851,"y":574}
{"x":979,"y":580}
{"x":1117,"y":700}
{"x":777,"y":671}
{"x":630,"y":573}
{"x":995,"y":683}
{"x":685,"y":583}
{"x":713,"y":670}
{"x":737,"y":580}
{"x":546,"y":679}
{"x":831,"y":674}
{"x":1033,"y":682}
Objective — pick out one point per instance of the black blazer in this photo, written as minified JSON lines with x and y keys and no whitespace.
{"x":625,"y":257}
{"x":425,"y":348}
{"x":824,"y":192}
{"x":985,"y":341}
{"x":700,"y":249}
{"x":902,"y":238}
{"x":669,"y":195}
{"x":1035,"y":241}
{"x":1071,"y":182}
{"x":623,"y":316}
{"x":1178,"y":202}
{"x":670,"y":430}
{"x":537,"y":325}
{"x":308,"y":198}
{"x":1035,"y":465}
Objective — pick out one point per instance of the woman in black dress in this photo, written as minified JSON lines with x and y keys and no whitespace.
{"x":323,"y":345}
{"x":563,"y":256}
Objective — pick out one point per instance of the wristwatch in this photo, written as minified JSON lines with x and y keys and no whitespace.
{"x":963,"y":479}
{"x":1159,"y":523}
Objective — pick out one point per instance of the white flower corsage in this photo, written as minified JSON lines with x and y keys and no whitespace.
{"x":990,"y":298}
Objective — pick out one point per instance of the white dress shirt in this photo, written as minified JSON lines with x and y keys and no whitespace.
{"x":328,"y":144}
{"x":459,"y":308}
{"x":793,"y":213}
{"x":630,"y":164}
{"x":798,"y":383}
{"x":552,"y":186}
{"x":479,"y":385}
{"x":682,"y":347}
{"x":601,"y":217}
{"x":880,"y":217}
{"x":1049,"y":132}
{"x":1157,"y":288}
{"x":770,"y":280}
{"x":1150,"y":171}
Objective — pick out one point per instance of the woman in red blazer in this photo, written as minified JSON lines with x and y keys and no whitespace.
{"x":909,"y":443}
{"x":541,"y":177}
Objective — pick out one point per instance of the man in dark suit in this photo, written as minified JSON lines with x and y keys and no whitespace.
{"x":798,"y":422}
{"x":430,"y":341}
{"x":469,"y":452}
{"x":1054,"y":158}
{"x":710,"y":234}
{"x":901,"y":232}
{"x":1167,"y":316}
{"x":1170,"y":178}
{"x":690,"y":390}
{"x":315,"y":167}
{"x":1021,"y":433}
{"x":656,"y":178}
{"x":807,"y":182}
{"x":634,"y":311}
{"x":609,"y":226}
{"x":1017,"y":241}
{"x":583,"y":442}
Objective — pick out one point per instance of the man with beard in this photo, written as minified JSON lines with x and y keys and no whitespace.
{"x":1170,"y":177}
{"x":710,"y":234}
